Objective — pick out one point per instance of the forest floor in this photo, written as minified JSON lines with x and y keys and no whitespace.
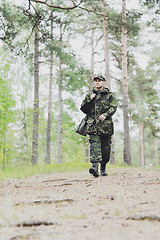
{"x":77,"y":206}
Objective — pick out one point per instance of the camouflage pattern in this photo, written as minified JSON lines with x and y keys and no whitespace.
{"x":100,"y":147}
{"x":104,"y":103}
{"x":95,"y":149}
{"x":100,"y":131}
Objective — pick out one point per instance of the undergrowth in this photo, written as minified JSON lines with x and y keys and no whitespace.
{"x":15,"y":171}
{"x":25,"y":170}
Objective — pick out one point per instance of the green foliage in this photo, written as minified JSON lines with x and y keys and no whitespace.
{"x":13,"y":22}
{"x":70,"y":104}
{"x":152,"y":8}
{"x":118,"y":147}
{"x":17,"y":31}
{"x":115,"y":24}
{"x":73,"y":144}
{"x":74,"y":78}
{"x":144,"y":99}
{"x":150,"y":3}
{"x":23,"y":141}
{"x":7,"y":104}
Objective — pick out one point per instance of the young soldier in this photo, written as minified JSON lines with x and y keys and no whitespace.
{"x":99,"y":105}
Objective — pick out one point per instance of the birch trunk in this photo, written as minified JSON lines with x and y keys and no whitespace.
{"x":60,"y":111}
{"x":127,"y":150}
{"x":49,"y":122}
{"x":36,"y":97}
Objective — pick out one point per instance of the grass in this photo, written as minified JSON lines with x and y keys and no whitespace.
{"x":21,"y":171}
{"x":67,"y":216}
{"x":99,"y":203}
{"x":117,"y":213}
{"x":14,"y":171}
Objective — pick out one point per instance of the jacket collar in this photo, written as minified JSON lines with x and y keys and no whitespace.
{"x":104,"y":90}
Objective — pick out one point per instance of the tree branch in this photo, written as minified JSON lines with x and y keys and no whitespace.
{"x":58,"y":7}
{"x":89,"y":10}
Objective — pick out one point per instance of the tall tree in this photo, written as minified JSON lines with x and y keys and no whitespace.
{"x":107,"y":61}
{"x":145,"y":105}
{"x":107,"y":70}
{"x":48,"y":146}
{"x":36,"y":95}
{"x":60,"y":104}
{"x":92,"y":60}
{"x":127,"y":150}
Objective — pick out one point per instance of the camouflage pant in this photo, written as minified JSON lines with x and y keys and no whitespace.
{"x":100,"y":148}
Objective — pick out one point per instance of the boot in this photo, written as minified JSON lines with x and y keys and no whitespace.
{"x":103,"y":169}
{"x":94,"y":169}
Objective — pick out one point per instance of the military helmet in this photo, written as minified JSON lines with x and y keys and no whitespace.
{"x":99,"y":77}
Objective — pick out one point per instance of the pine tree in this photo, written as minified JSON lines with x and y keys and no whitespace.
{"x":49,"y":122}
{"x":127,"y":150}
{"x":36,"y":95}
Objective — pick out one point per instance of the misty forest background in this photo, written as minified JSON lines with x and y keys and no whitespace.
{"x":44,"y":75}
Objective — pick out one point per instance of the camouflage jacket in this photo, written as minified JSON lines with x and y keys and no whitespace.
{"x":104,"y":103}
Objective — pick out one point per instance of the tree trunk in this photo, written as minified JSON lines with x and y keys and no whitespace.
{"x":127,"y":150}
{"x":36,"y":97}
{"x":156,"y":151}
{"x":107,"y":67}
{"x":107,"y":71}
{"x":24,"y":138}
{"x":24,"y":134}
{"x":49,"y":122}
{"x":91,"y":83}
{"x":142,"y":147}
{"x":112,"y":157}
{"x":60,"y":114}
{"x":60,"y":104}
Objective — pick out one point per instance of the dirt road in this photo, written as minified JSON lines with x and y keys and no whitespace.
{"x":67,"y":206}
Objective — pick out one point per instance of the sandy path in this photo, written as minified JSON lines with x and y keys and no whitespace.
{"x":77,"y":206}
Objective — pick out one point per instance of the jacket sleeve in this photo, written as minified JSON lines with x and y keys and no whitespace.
{"x":87,"y":104}
{"x":113,"y":106}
